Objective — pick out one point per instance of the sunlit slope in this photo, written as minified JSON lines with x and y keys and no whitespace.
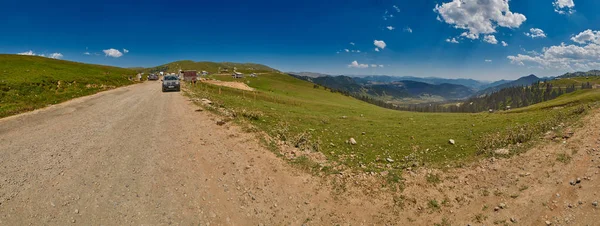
{"x":211,"y":67}
{"x":30,"y":82}
{"x":317,"y":119}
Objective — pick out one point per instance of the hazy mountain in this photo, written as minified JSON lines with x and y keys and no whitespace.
{"x":581,"y":74}
{"x":309,"y":74}
{"x":395,"y":89}
{"x":472,"y":83}
{"x":523,"y":81}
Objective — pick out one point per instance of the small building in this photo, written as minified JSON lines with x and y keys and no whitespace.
{"x":237,"y":75}
{"x":190,"y":76}
{"x":204,"y":73}
{"x":253,"y":75}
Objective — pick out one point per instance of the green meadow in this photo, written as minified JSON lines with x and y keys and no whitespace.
{"x":316,"y":119}
{"x":31,"y":82}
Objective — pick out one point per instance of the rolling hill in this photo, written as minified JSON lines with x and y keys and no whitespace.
{"x":211,"y":67}
{"x":523,"y":81}
{"x":297,"y":113}
{"x":31,"y":82}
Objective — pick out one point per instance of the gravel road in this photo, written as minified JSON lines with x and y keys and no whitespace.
{"x":135,"y":155}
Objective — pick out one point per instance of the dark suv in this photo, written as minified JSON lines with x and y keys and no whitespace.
{"x":170,"y":83}
{"x":153,"y":77}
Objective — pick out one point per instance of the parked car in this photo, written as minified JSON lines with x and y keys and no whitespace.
{"x":153,"y":77}
{"x":170,"y":83}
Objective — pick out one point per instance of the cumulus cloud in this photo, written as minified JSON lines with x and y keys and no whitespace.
{"x":125,"y":50}
{"x":587,"y":36}
{"x":352,"y":43}
{"x":390,"y":28}
{"x":490,"y":39}
{"x":469,"y":35}
{"x":381,"y":65}
{"x":564,"y":6}
{"x":478,"y":16}
{"x":453,"y":40}
{"x":504,"y":43}
{"x":535,"y":33}
{"x":27,"y":53}
{"x":376,"y":49}
{"x":55,"y":56}
{"x":355,"y":64}
{"x":31,"y":53}
{"x":87,"y":53}
{"x":488,"y":61}
{"x":380,"y":44}
{"x":562,"y":57}
{"x":408,"y":29}
{"x":373,"y":65}
{"x":112,"y":53}
{"x":347,"y":50}
{"x":396,"y":8}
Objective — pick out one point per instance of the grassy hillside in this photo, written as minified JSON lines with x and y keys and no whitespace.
{"x":30,"y":82}
{"x":319,"y":120}
{"x":210,"y":67}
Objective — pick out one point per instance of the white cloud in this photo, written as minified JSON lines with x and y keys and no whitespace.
{"x":358,"y":51}
{"x":408,"y":29}
{"x":453,"y":40}
{"x":352,"y":43}
{"x":376,"y":49}
{"x":55,"y":56}
{"x":379,"y":44}
{"x":488,"y":61}
{"x":563,"y":57}
{"x":490,"y":39}
{"x":125,"y":50}
{"x":478,"y":16}
{"x":112,"y":53}
{"x":535,"y":33}
{"x":381,"y":65}
{"x":396,"y":8}
{"x":469,"y":35}
{"x":31,"y":53}
{"x":347,"y":50}
{"x":355,"y":64}
{"x":390,"y":28}
{"x":564,"y":6}
{"x":504,"y":44}
{"x":587,"y":36}
{"x":27,"y":53}
{"x":86,"y":53}
{"x":373,"y":65}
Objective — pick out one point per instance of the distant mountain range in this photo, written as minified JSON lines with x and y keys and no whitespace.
{"x":523,"y":81}
{"x":471,"y":83}
{"x":379,"y":86}
{"x":390,"y":89}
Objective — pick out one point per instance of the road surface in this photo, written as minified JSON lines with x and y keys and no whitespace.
{"x":135,"y":155}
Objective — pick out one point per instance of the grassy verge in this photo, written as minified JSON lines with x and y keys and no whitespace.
{"x":315,"y":119}
{"x":31,"y":82}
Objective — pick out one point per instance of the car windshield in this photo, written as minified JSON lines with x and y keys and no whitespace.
{"x":170,"y":78}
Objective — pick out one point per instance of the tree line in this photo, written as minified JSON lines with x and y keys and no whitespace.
{"x":504,"y":99}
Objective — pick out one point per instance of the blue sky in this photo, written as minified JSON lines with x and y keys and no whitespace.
{"x":313,"y":35}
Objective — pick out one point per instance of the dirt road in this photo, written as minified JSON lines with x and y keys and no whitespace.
{"x":136,"y":156}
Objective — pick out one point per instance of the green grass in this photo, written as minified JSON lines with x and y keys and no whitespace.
{"x":287,"y":107}
{"x":31,"y":82}
{"x":577,"y":81}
